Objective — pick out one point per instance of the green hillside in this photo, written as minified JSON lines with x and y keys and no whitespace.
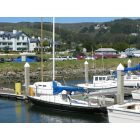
{"x":119,"y":34}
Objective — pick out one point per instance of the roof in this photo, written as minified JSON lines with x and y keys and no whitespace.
{"x":34,"y":40}
{"x":105,"y":50}
{"x":11,"y":35}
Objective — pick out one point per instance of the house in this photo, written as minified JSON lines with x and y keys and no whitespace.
{"x":106,"y":53}
{"x":17,"y":41}
{"x":34,"y":43}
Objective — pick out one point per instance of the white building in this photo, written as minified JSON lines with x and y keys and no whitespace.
{"x":34,"y":43}
{"x":17,"y":41}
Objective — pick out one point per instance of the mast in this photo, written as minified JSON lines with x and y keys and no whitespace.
{"x":53,"y":48}
{"x":41,"y":49}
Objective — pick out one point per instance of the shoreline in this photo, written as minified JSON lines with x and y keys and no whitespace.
{"x":13,"y":77}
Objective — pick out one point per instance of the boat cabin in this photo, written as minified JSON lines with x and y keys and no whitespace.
{"x":102,"y":78}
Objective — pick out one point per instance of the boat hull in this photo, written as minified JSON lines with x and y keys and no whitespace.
{"x":136,"y":94}
{"x":117,"y":116}
{"x":68,"y":108}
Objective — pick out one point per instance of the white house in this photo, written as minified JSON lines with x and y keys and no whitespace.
{"x":17,"y":41}
{"x":34,"y":43}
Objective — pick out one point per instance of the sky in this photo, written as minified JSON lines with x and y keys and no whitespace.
{"x":59,"y":19}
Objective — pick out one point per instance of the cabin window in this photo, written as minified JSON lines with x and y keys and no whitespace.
{"x":44,"y":85}
{"x":135,"y":77}
{"x":103,"y":78}
{"x":128,"y":77}
{"x":100,"y":78}
{"x":96,"y":78}
{"x":40,"y":85}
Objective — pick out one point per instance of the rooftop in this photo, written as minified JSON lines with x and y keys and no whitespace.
{"x":105,"y":49}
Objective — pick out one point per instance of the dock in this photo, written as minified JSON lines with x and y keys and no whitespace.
{"x":102,"y":97}
{"x":10,"y":93}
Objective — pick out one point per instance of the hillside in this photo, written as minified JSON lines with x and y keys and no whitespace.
{"x":118,"y":34}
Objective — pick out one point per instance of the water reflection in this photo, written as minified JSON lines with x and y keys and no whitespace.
{"x":18,"y":111}
{"x":13,"y":111}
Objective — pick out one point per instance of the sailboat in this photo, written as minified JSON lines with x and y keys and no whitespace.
{"x":54,"y":95}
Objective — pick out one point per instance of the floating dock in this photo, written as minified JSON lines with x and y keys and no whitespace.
{"x":10,"y":93}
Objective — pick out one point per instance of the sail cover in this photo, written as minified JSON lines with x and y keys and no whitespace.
{"x":58,"y":89}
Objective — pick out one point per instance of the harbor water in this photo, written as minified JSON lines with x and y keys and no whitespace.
{"x":18,"y":111}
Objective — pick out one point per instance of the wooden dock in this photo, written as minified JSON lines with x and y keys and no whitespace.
{"x":10,"y":93}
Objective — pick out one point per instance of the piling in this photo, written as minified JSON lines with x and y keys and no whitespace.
{"x":27,"y":78}
{"x":86,"y":72}
{"x":120,"y":84}
{"x":129,"y":64}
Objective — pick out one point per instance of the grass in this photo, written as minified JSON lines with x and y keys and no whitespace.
{"x":68,"y":65}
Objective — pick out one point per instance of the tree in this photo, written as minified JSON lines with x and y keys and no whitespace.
{"x":6,"y":49}
{"x":45,"y":43}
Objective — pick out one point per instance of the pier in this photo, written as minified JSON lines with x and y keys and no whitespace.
{"x":10,"y":93}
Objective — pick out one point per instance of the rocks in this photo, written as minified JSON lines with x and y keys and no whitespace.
{"x":12,"y":76}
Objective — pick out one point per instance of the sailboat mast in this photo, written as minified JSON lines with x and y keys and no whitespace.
{"x":42,"y":49}
{"x":53,"y":48}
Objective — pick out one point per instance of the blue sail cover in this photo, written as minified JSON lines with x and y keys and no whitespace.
{"x":59,"y":89}
{"x":137,"y":67}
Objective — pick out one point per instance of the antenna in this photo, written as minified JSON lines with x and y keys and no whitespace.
{"x":53,"y":48}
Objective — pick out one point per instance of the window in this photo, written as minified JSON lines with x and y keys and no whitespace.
{"x":10,"y":43}
{"x":103,"y":78}
{"x":24,"y":43}
{"x":96,"y":78}
{"x":4,"y":43}
{"x":22,"y":37}
{"x":100,"y":78}
{"x":18,"y":43}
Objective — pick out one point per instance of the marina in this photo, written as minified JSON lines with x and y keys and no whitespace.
{"x":110,"y":96}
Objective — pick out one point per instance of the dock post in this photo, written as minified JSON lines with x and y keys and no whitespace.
{"x":120,"y":84}
{"x":129,"y":65}
{"x":27,"y":77}
{"x":86,"y":72}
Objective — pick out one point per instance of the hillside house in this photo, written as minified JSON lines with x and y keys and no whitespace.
{"x":17,"y":41}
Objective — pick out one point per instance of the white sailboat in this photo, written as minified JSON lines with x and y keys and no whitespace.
{"x":54,"y":95}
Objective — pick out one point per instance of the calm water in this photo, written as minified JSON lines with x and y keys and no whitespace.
{"x":13,"y":111}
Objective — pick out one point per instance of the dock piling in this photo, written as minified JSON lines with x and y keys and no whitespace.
{"x":120,"y":84}
{"x":27,"y":78}
{"x":86,"y":72}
